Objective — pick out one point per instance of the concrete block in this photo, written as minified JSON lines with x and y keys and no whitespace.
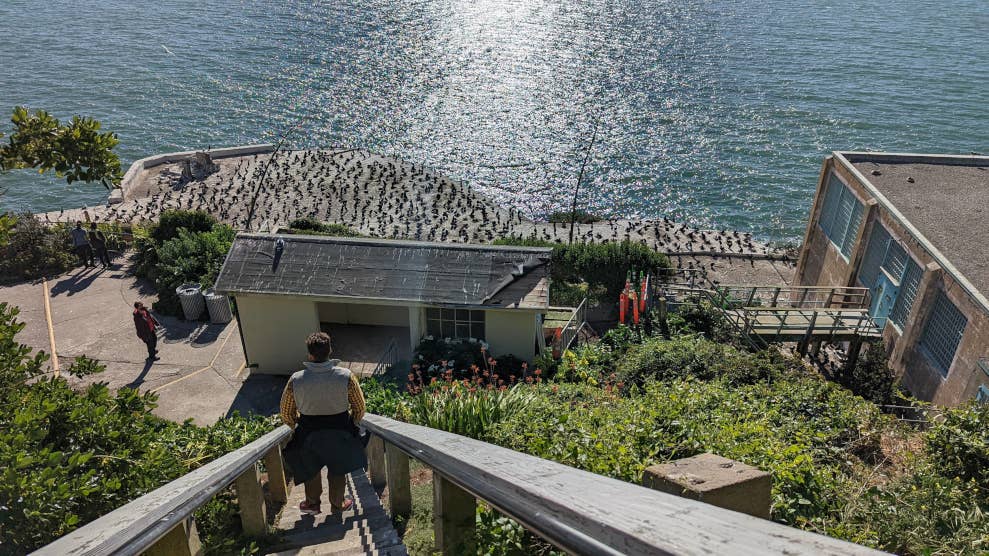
{"x":715,"y":480}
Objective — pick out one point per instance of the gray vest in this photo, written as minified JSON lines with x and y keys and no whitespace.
{"x":321,"y":388}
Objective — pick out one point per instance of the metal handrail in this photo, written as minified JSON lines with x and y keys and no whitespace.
{"x":585,"y":513}
{"x":384,"y":361}
{"x":136,"y":526}
{"x":570,"y":331}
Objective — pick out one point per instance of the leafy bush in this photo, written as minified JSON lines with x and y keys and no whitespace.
{"x":694,"y":356}
{"x":68,"y":457}
{"x":311,"y":226}
{"x":434,"y":356}
{"x":382,"y":397}
{"x":33,"y":250}
{"x":959,"y":444}
{"x":170,"y":222}
{"x":602,"y":266}
{"x":580,"y":216}
{"x":871,"y":377}
{"x":465,"y":408}
{"x":190,"y":257}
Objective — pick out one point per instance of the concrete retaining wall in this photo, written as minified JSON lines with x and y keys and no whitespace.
{"x":118,"y":195}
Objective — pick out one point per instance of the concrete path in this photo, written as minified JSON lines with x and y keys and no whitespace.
{"x":364,"y":529}
{"x":200,"y":375}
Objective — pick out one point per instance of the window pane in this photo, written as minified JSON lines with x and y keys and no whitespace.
{"x":896,"y":261}
{"x":849,"y":217}
{"x":448,"y":329}
{"x":477,"y":316}
{"x":449,"y":314}
{"x":830,"y":207}
{"x":463,"y":330}
{"x":943,"y":332}
{"x":874,"y":254}
{"x":908,"y":291}
{"x":463,"y":315}
{"x":433,"y":328}
{"x":432,"y":313}
{"x":477,"y":331}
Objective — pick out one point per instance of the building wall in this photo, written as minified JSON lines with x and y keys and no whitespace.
{"x":274,"y":329}
{"x":362,"y":313}
{"x":511,"y":332}
{"x":822,"y":264}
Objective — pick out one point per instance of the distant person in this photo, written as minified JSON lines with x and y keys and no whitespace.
{"x":80,"y":242}
{"x":98,"y":240}
{"x":324,"y":403}
{"x":146,"y":326}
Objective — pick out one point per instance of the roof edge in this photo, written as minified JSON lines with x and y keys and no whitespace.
{"x":933,"y":251}
{"x":917,"y":158}
{"x":380,"y":300}
{"x":395,"y":242}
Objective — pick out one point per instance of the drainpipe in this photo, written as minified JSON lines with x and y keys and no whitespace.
{"x":240,"y":332}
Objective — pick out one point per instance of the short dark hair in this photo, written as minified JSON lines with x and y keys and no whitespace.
{"x":318,"y":345}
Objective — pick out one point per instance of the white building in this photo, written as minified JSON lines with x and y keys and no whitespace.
{"x":368,"y":292}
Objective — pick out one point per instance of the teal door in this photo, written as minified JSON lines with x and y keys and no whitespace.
{"x":883,"y":297}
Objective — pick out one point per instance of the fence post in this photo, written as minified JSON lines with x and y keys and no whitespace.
{"x":276,"y":474}
{"x":399,"y":485}
{"x":250,"y":499}
{"x":182,"y":540}
{"x":454,"y":516}
{"x":376,"y":461}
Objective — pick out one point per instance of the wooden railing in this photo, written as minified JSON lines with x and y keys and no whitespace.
{"x":577,"y":511}
{"x":160,"y":522}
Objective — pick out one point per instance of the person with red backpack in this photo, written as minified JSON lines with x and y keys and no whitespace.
{"x":146,"y":326}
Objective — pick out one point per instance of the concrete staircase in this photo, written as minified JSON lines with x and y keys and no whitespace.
{"x":364,"y":529}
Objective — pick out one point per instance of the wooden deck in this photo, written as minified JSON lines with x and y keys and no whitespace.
{"x":364,"y":529}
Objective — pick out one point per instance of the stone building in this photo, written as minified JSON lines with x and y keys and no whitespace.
{"x":912,"y":229}
{"x":369,"y":293}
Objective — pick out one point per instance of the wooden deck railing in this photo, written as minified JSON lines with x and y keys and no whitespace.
{"x":577,"y":511}
{"x":160,"y":522}
{"x":571,"y":330}
{"x":802,"y":297}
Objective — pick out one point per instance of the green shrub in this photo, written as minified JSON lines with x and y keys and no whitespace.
{"x":694,"y":356}
{"x":33,"y":251}
{"x":604,"y":267}
{"x":871,"y":377}
{"x":311,"y":226}
{"x":959,"y":444}
{"x":580,"y":216}
{"x":68,"y":457}
{"x":382,"y":397}
{"x":466,"y":409}
{"x":190,"y":257}
{"x":170,"y":222}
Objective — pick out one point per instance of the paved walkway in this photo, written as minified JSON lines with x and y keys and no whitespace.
{"x":364,"y":529}
{"x":201,"y":372}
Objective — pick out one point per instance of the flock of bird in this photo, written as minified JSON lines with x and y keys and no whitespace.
{"x":382,"y":197}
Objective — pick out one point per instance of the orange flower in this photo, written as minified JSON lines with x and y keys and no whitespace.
{"x":538,"y":372}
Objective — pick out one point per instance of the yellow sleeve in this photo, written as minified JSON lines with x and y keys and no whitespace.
{"x":356,"y":397}
{"x":289,"y":411}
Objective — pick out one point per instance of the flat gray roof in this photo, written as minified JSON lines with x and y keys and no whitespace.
{"x":946,"y":198}
{"x":388,"y":270}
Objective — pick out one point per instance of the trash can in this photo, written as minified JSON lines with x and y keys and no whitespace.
{"x":218,"y":306}
{"x":193,"y":304}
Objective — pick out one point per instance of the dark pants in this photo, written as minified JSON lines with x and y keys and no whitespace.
{"x":85,"y":253}
{"x":102,"y":254}
{"x":152,"y":343}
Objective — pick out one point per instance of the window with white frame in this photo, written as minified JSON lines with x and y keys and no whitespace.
{"x":841,"y":215}
{"x":455,"y":323}
{"x":942,"y":333}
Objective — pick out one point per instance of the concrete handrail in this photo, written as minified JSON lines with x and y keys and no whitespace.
{"x":578,"y":511}
{"x":138,"y":525}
